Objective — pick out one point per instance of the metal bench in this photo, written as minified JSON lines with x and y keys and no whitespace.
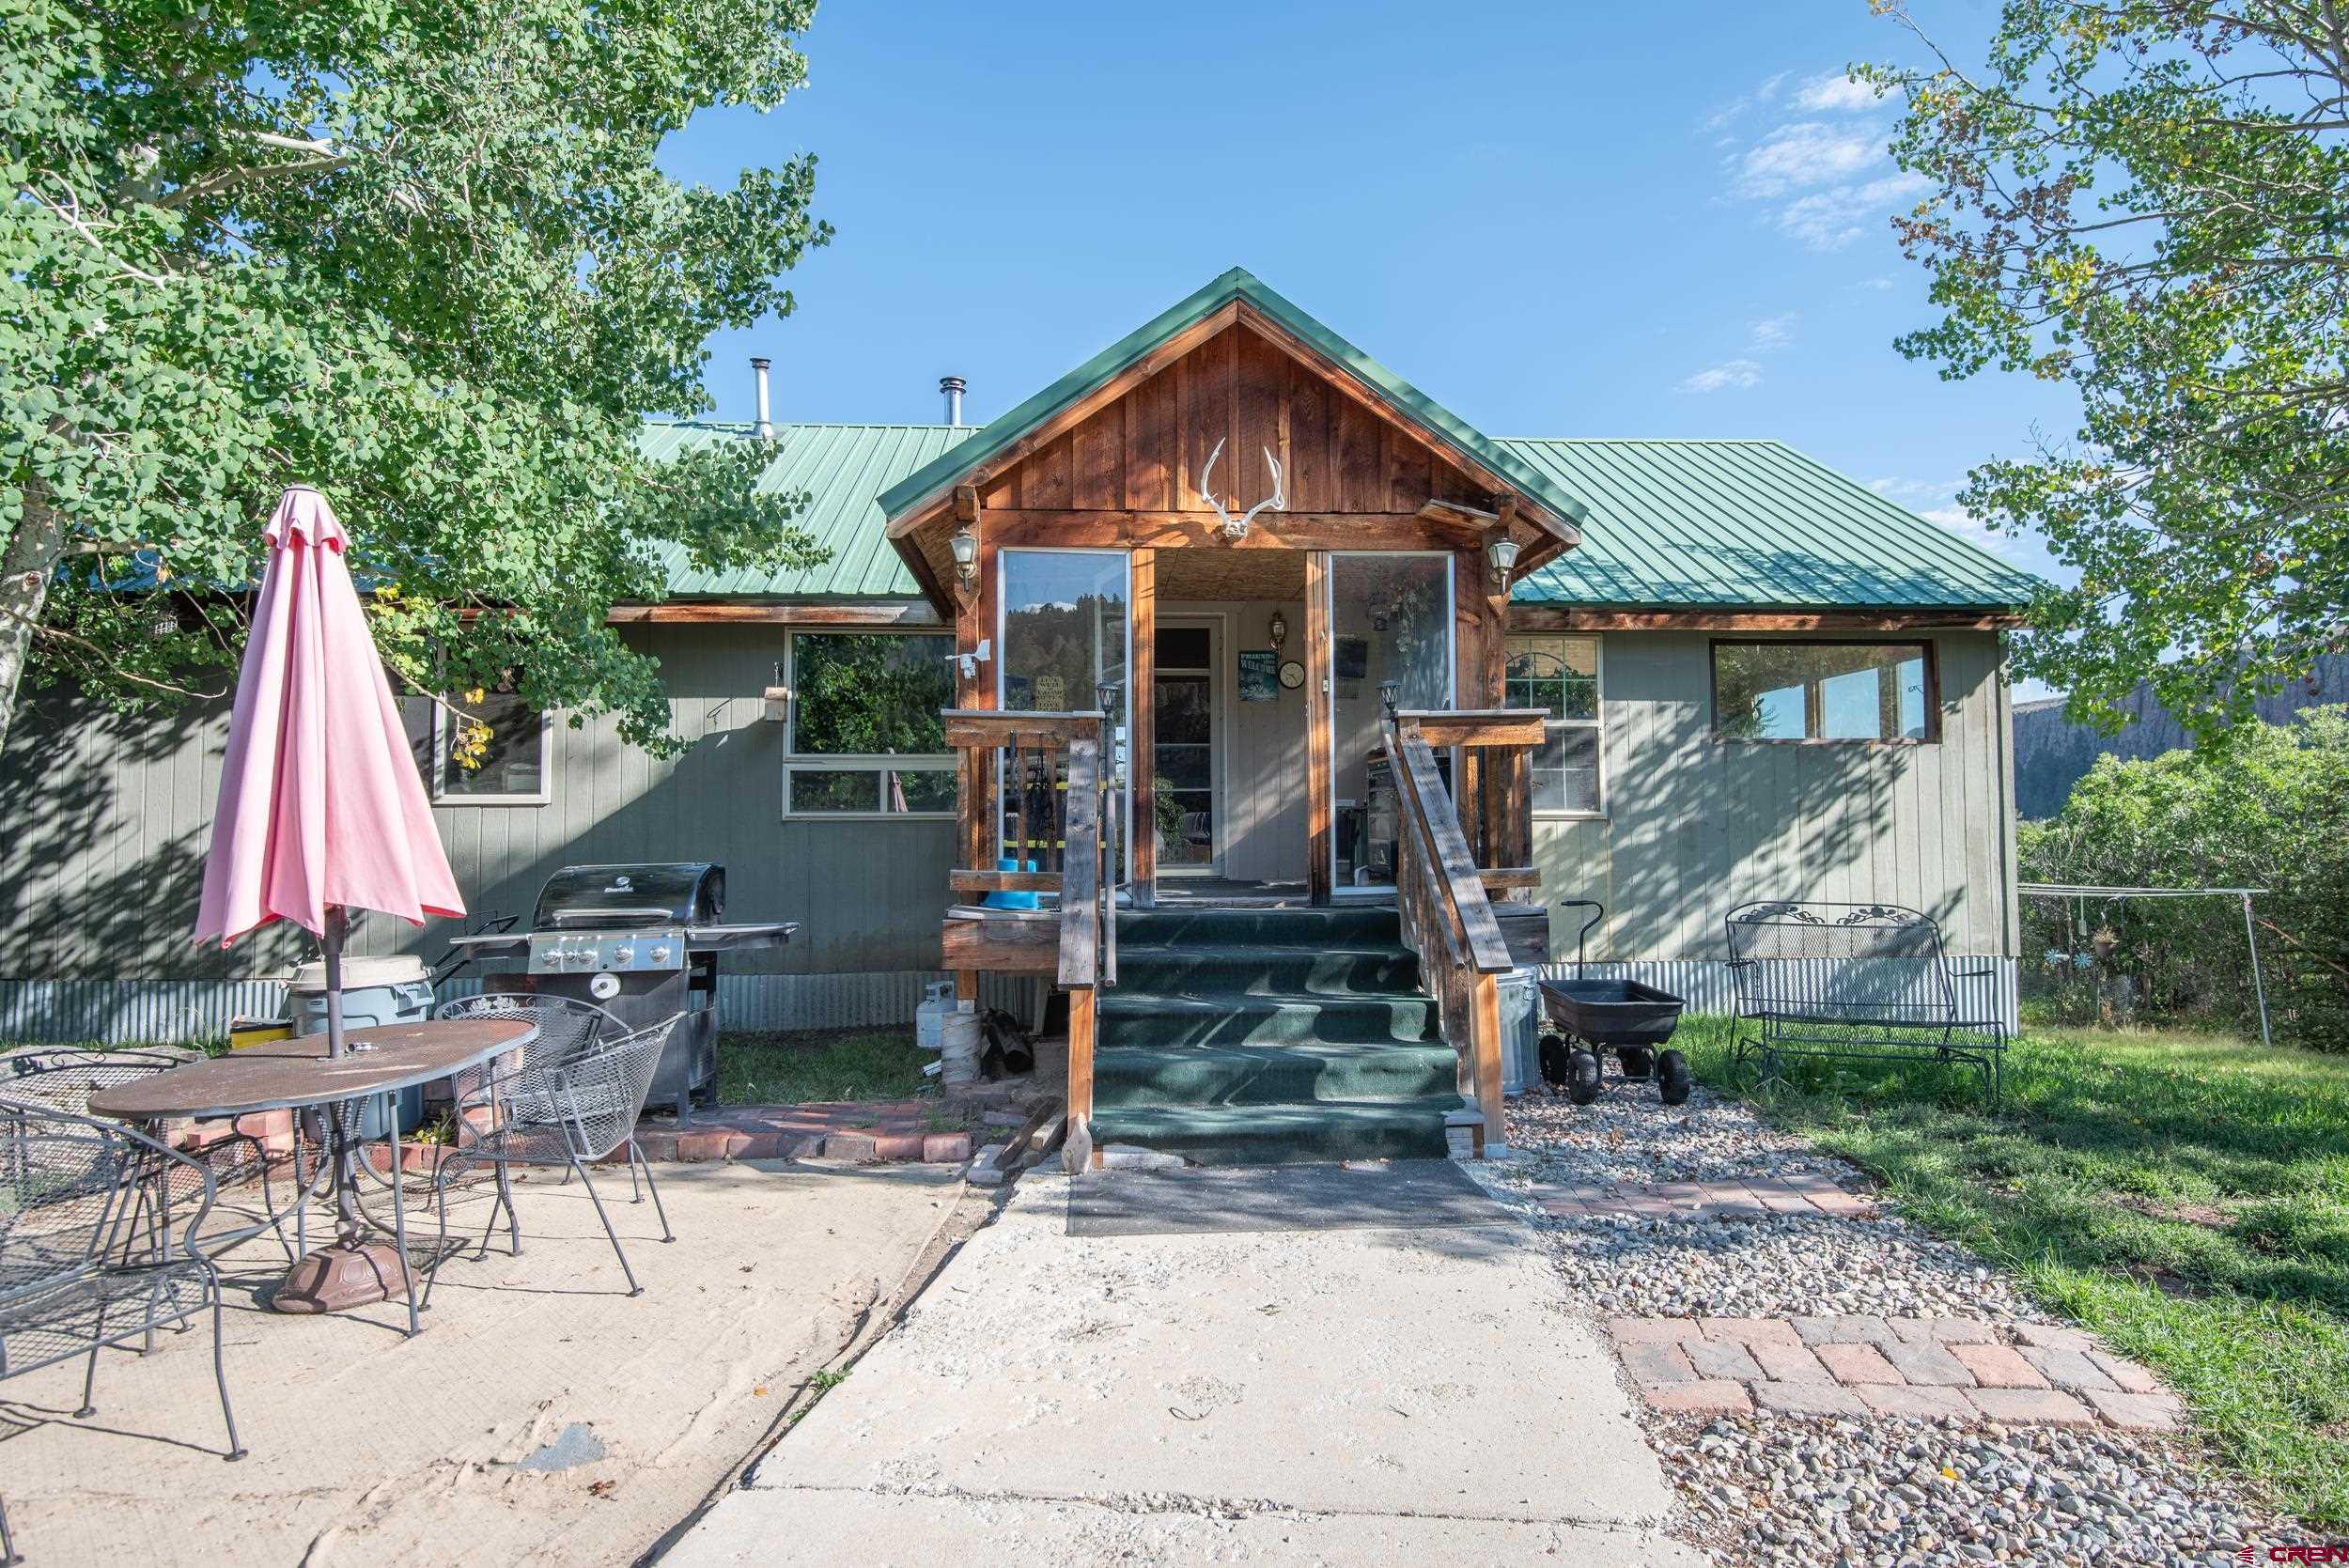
{"x":1855,"y":982}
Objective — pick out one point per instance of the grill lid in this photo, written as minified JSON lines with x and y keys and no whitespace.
{"x":625,"y":897}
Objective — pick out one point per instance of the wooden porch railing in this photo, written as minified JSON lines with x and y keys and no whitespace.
{"x":1068,"y":832}
{"x":1441,"y":889}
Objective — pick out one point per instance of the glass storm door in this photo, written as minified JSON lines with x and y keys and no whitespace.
{"x":1182,"y":747}
{"x":1389,"y":620}
{"x":1065,"y":631}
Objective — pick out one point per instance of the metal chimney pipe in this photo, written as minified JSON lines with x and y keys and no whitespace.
{"x":953,"y":386}
{"x":758,"y":376}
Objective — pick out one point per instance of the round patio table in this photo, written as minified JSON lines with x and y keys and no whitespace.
{"x":298,"y":1074}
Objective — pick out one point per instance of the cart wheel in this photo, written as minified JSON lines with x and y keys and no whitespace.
{"x":1582,"y":1076}
{"x":1554,"y":1065}
{"x":1672,"y":1078}
{"x":1637,"y":1061}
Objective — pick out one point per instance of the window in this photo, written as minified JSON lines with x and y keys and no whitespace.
{"x":492,"y":749}
{"x":1881,"y":692}
{"x":865,"y":736}
{"x":1560,"y":675}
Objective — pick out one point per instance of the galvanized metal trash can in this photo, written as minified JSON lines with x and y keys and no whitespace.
{"x":1520,"y":1029}
{"x":376,"y":991}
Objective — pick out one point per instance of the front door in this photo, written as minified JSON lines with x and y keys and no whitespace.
{"x":1186,"y":762}
{"x":1389,"y":621}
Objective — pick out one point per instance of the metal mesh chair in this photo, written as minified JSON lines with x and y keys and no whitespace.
{"x":78,"y":1270}
{"x":63,"y":1077}
{"x":571,"y":1112}
{"x":1862,"y":982}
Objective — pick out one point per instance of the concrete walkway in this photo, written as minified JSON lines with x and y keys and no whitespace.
{"x":1351,"y":1397}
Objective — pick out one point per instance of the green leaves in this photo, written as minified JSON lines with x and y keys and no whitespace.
{"x":423,"y":260}
{"x":2151,"y":203}
{"x":2270,"y":811}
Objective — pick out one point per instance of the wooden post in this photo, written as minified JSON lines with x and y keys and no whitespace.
{"x":1485,"y":1028}
{"x":1318,"y":763}
{"x":1142,"y":727}
{"x":1078,"y":1149}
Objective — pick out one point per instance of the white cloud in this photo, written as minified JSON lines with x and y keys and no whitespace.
{"x":1834,"y":92}
{"x":1966,"y":526}
{"x":1882,"y":280}
{"x":1735,"y":108}
{"x":1831,"y":219}
{"x":1807,"y":152}
{"x":1823,"y":169}
{"x":1728,"y":374}
{"x":1774,"y":331}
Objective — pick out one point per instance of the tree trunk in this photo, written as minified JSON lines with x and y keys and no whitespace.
{"x":25,"y":566}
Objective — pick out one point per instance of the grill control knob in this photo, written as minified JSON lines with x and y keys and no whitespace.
{"x":624,"y":954}
{"x":661,"y":954}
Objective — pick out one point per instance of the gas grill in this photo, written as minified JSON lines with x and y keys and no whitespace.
{"x":641,"y":942}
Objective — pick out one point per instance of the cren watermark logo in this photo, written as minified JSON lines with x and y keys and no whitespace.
{"x":2293,"y":1554}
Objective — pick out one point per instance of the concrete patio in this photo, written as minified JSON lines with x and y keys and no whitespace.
{"x":542,"y":1416}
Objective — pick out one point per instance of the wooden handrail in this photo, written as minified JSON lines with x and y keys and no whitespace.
{"x":1421,"y":796}
{"x":1440,"y":895}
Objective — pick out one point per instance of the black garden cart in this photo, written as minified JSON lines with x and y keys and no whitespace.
{"x":1590,"y":1017}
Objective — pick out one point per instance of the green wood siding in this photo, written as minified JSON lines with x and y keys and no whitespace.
{"x":1696,"y":826}
{"x":111,"y":819}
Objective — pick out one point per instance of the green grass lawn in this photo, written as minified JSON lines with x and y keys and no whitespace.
{"x":820,"y":1064}
{"x":2186,"y":1196}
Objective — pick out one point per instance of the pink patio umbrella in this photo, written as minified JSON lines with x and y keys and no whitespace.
{"x":322,"y":810}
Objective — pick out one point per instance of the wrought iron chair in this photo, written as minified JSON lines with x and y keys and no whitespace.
{"x":569,"y":1112}
{"x":76,"y":1274}
{"x":63,"y":1077}
{"x":567,"y":1027}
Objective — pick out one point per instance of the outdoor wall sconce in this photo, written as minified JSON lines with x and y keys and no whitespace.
{"x":965,"y":549}
{"x":1502,"y":553}
{"x":1278,"y":631}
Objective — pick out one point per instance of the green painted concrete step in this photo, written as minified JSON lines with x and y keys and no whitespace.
{"x":1189,"y":970}
{"x":1207,"y":1075}
{"x":1370,"y":926}
{"x":1284,"y":1134}
{"x":1129,"y":1018}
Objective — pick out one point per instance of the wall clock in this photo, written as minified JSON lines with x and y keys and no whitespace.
{"x":1292,"y":674}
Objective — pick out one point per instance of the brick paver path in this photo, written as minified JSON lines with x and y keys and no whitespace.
{"x":2029,"y":1374}
{"x":895,"y":1129}
{"x":1751,"y":1198}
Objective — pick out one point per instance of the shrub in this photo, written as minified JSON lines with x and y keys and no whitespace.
{"x":2270,"y":811}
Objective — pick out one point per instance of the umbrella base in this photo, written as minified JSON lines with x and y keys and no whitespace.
{"x":338,"y":1277}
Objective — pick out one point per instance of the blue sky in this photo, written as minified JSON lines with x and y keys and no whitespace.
{"x":1558,"y":220}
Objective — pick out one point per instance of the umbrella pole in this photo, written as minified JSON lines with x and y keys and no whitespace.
{"x":346,"y":1201}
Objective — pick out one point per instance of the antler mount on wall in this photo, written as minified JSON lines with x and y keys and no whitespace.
{"x":1235,"y":528}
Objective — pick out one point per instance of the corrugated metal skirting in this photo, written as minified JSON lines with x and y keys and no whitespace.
{"x":131,"y":1012}
{"x":126,"y":1011}
{"x":1707,"y":985}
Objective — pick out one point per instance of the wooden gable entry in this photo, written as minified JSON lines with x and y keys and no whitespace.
{"x":1120,"y":470}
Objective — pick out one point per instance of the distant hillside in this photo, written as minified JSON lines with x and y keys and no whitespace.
{"x":2052,"y":754}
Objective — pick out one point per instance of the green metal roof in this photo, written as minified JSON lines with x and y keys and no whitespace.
{"x":1749,"y":525}
{"x":1744,"y":524}
{"x":1239,"y":284}
{"x":842,"y":468}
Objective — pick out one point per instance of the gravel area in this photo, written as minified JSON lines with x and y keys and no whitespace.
{"x":1880,"y":1493}
{"x":1777,"y":1266}
{"x":1778,"y":1490}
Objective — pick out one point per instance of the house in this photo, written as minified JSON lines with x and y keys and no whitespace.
{"x":1404,"y":676}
